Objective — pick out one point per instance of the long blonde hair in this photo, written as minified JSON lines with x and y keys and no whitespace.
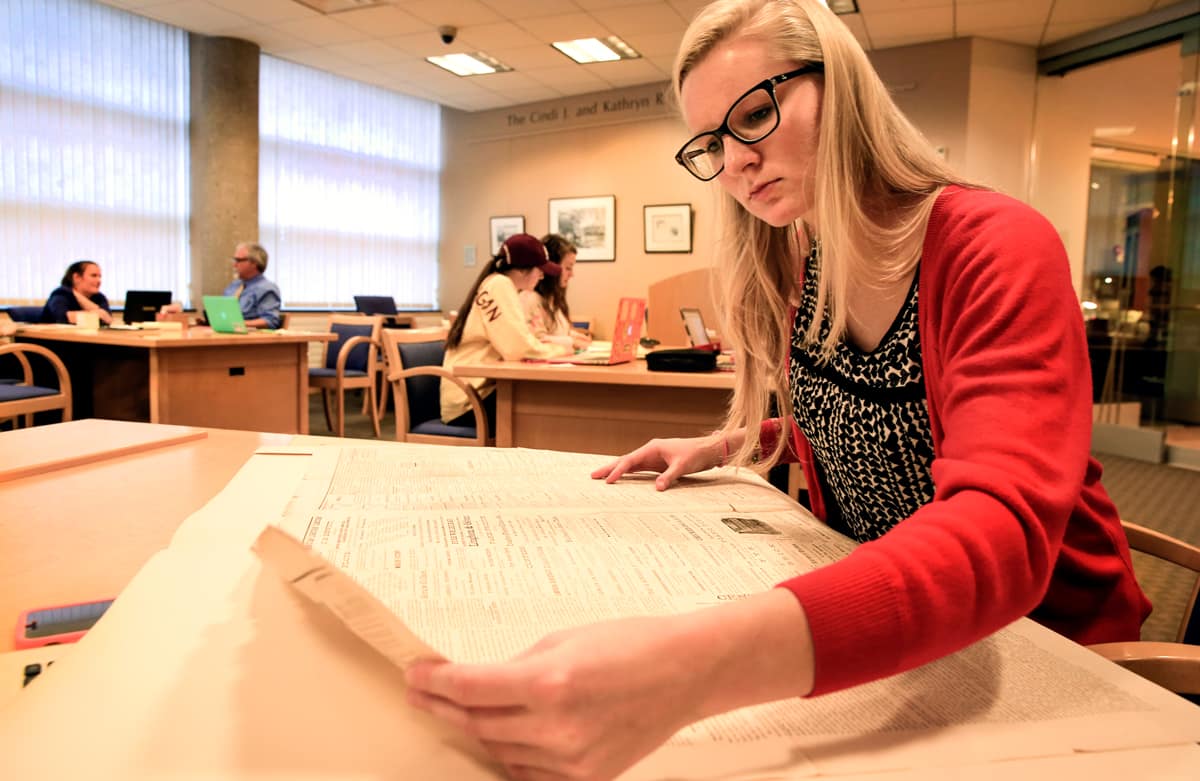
{"x":867,"y":153}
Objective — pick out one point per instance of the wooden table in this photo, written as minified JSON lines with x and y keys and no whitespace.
{"x":103,"y":496}
{"x":256,"y":381}
{"x":600,"y":409}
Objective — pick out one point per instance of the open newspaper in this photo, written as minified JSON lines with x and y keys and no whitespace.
{"x":379,"y":555}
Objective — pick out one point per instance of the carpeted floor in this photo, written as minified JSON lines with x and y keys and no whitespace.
{"x":1161,"y":497}
{"x":1165,"y":498}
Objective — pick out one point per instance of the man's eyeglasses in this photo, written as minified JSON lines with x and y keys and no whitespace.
{"x":750,"y":119}
{"x":240,"y":260}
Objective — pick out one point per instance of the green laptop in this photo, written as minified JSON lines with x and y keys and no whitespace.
{"x":224,"y":314}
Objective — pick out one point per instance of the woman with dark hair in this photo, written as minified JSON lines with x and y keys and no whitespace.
{"x":923,"y":342}
{"x":546,"y":308}
{"x":79,"y":292}
{"x":491,"y":324}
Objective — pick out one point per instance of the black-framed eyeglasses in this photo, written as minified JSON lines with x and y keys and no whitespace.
{"x":750,"y":119}
{"x":236,"y":259}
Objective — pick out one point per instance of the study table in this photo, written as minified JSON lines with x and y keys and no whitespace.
{"x":84,"y":504}
{"x":233,"y":677}
{"x":608,"y":410}
{"x":256,"y":380}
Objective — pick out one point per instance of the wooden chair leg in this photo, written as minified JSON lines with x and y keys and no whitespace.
{"x":341,"y":412}
{"x":374,"y":408}
{"x":325,"y":404}
{"x":384,"y":387}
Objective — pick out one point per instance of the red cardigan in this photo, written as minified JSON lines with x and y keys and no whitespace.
{"x":1019,"y":523}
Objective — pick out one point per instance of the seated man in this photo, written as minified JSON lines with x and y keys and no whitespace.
{"x":257,"y":296}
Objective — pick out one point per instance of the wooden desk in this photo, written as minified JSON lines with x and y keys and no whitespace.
{"x":600,"y":409}
{"x":227,"y":690}
{"x":80,"y":533}
{"x":254,"y":381}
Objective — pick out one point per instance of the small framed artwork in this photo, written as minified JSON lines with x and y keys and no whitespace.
{"x":500,"y":228}
{"x":588,"y":223}
{"x":668,"y":227}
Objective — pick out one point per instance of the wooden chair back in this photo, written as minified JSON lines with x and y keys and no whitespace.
{"x":1175,"y":666}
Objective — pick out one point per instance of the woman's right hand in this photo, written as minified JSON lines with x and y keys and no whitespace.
{"x":674,"y":458}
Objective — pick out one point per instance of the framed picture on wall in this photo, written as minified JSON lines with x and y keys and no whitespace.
{"x":588,"y":223}
{"x":500,"y":228}
{"x":668,"y":227}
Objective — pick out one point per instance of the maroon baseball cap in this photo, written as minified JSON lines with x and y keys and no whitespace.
{"x":526,"y":251}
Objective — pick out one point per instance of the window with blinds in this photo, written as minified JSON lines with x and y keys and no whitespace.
{"x":349,"y":189}
{"x":93,"y":148}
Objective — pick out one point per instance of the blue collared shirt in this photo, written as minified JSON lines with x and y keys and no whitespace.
{"x":260,"y":298}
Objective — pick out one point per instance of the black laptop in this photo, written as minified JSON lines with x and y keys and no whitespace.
{"x":375,"y":305}
{"x":142,"y":305}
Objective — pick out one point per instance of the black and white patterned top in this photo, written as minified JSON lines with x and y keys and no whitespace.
{"x":866,"y":418}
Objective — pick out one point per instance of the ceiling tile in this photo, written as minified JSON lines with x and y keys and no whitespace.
{"x":1060,"y":32}
{"x":369,"y":52}
{"x":196,"y":16}
{"x":459,"y":13}
{"x":652,"y":44}
{"x":1026,"y":36}
{"x":570,"y":79}
{"x":269,"y":39}
{"x":495,"y":36}
{"x":1097,"y":11}
{"x":687,"y":8}
{"x":516,"y":10}
{"x":597,"y":5}
{"x":979,"y":18}
{"x":267,"y":10}
{"x":136,"y":4}
{"x":422,"y":44}
{"x":533,"y":57}
{"x":566,"y":27}
{"x":873,"y":7}
{"x":412,"y":71}
{"x":382,"y":21}
{"x":318,"y":58}
{"x":322,"y":31}
{"x":898,"y":28}
{"x":651,"y":17}
{"x":628,"y":73}
{"x":665,"y":63}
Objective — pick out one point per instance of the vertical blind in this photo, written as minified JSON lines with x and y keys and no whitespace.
{"x":349,"y":188}
{"x":93,"y":148}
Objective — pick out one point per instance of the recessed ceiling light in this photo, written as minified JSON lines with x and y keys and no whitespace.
{"x":1114,"y":132}
{"x":585,"y":50}
{"x":462,"y":64}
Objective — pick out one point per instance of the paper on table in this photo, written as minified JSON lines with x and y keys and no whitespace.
{"x":253,"y":681}
{"x":483,"y":581}
{"x":326,"y":585}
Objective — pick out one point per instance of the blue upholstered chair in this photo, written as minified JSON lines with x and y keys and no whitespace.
{"x":25,"y":314}
{"x":23,"y":398}
{"x":1174,"y":666}
{"x":350,"y":362}
{"x":414,"y":359}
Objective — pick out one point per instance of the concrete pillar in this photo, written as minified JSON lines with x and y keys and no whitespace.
{"x":224,"y":156}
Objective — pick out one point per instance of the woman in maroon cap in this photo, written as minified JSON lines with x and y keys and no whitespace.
{"x":491,"y":324}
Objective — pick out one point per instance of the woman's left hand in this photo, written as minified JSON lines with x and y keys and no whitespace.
{"x":585,"y":703}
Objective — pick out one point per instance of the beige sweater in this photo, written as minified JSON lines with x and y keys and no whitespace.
{"x":495,"y":330}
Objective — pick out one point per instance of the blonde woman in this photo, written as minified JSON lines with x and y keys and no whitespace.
{"x":925,"y":344}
